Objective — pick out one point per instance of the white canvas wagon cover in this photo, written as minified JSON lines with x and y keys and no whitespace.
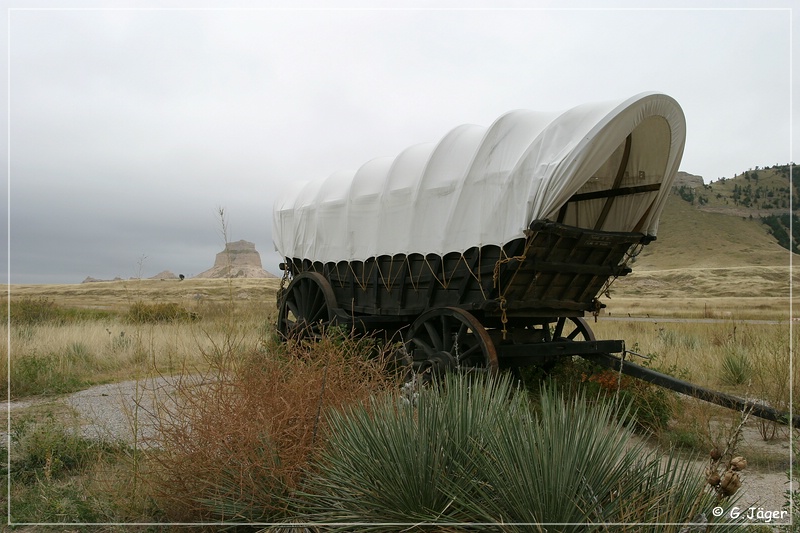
{"x":605,"y":166}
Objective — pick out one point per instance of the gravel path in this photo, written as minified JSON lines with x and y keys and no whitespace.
{"x":111,"y":411}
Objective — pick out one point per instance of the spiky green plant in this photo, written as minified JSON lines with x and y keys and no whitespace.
{"x":393,"y":460}
{"x":735,"y":367}
{"x":475,"y":454}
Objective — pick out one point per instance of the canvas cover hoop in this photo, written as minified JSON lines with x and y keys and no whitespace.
{"x":603,"y":166}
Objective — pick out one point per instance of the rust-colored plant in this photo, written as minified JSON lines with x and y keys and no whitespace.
{"x":234,"y":443}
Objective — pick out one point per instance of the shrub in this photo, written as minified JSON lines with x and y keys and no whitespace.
{"x":30,"y":311}
{"x":234,"y":443}
{"x":676,"y":339}
{"x":44,"y":448}
{"x":651,"y":406}
{"x":474,"y":453}
{"x":772,"y":378}
{"x":54,"y":473}
{"x":34,"y":374}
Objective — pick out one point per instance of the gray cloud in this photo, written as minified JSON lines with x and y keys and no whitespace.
{"x":130,"y":127}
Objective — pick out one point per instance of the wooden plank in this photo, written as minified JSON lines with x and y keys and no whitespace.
{"x":432,"y":286}
{"x":623,"y":191}
{"x":617,"y":182}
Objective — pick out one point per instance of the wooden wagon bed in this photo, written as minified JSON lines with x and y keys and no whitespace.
{"x":556,"y":270}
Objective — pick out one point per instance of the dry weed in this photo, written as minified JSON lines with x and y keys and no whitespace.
{"x":235,"y":442}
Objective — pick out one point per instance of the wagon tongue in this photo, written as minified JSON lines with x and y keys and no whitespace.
{"x":690,"y":389}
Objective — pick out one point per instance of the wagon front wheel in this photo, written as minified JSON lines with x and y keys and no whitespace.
{"x":306,"y":307}
{"x":449,"y":338}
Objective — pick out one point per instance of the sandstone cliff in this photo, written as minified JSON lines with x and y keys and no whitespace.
{"x":238,"y":260}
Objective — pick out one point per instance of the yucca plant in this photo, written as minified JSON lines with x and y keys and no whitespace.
{"x":735,"y":367}
{"x":393,"y":460}
{"x":560,"y":467}
{"x":476,"y":454}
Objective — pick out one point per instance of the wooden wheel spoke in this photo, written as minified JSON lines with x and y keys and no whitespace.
{"x":577,"y":327}
{"x":462,"y":331}
{"x":447,"y":338}
{"x":434,"y":335}
{"x":427,"y":348}
{"x":318,"y":309}
{"x":559,"y":327}
{"x":468,"y":352}
{"x":291,"y":306}
{"x":300,"y":294}
{"x":310,"y":296}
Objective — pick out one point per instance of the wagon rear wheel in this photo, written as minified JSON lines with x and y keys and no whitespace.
{"x":449,"y":338}
{"x":572,"y":329}
{"x":564,"y":329}
{"x":306,"y":308}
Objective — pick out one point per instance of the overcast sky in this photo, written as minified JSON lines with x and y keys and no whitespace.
{"x":130,"y":128}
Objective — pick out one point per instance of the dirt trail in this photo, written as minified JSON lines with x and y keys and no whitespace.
{"x":762,"y":489}
{"x":110,"y":411}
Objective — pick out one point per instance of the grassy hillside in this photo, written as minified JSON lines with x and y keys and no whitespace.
{"x":712,"y":258}
{"x":691,"y":238}
{"x":764,"y":193}
{"x":757,"y":192}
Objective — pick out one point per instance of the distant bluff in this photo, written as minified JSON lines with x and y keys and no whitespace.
{"x":238,"y":260}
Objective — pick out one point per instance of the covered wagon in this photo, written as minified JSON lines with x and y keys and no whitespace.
{"x":484,"y":249}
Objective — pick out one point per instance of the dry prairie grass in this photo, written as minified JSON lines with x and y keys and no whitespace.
{"x":702,"y":307}
{"x":742,"y":282}
{"x":195,"y":294}
{"x":700,"y":348}
{"x":54,"y":357}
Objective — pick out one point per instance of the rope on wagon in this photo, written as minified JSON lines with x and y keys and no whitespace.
{"x":428,"y":264}
{"x":414,"y":285}
{"x":361,"y":283}
{"x":387,"y":286}
{"x":339,"y":276}
{"x":496,"y":278}
{"x":476,"y":277}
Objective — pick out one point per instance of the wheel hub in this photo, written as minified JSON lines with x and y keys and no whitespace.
{"x":441,"y":362}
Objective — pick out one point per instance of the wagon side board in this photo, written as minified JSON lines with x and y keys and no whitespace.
{"x":555,"y":270}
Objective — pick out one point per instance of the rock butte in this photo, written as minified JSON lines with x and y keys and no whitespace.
{"x":238,"y":260}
